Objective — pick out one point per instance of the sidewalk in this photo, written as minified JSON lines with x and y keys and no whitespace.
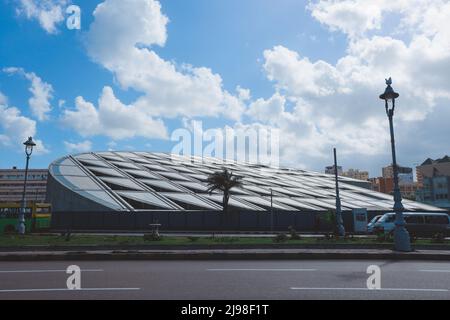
{"x":226,"y":254}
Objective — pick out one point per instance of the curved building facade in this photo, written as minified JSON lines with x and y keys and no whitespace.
{"x":130,"y":190}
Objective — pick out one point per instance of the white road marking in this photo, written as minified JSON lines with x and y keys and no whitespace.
{"x":383,"y":289}
{"x":442,"y":271}
{"x":47,"y":271}
{"x":65,"y":289}
{"x":275,"y":270}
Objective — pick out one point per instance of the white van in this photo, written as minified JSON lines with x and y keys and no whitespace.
{"x":417,"y":223}
{"x":372,"y":223}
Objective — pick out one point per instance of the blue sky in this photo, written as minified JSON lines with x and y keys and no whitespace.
{"x":314,"y":70}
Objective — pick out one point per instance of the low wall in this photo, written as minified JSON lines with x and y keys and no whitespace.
{"x":194,"y":221}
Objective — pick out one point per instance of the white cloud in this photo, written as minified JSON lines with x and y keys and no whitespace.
{"x":243,"y":94}
{"x":120,"y":39}
{"x":41,"y":91}
{"x":49,"y":13}
{"x":336,"y":104}
{"x":83,"y":146}
{"x":16,"y":129}
{"x":352,"y":17}
{"x":268,"y":110}
{"x":300,"y":75}
{"x":356,"y":18}
{"x":112,"y":119}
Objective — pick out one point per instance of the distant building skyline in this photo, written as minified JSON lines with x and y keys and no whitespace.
{"x":11,"y":185}
{"x":433,"y":178}
{"x":405,"y":174}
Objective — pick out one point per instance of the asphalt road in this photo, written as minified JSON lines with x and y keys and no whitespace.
{"x":229,"y":280}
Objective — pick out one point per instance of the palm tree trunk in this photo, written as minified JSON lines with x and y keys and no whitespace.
{"x":226,"y":198}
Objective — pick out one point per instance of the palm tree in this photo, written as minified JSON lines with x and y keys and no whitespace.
{"x":224,"y":181}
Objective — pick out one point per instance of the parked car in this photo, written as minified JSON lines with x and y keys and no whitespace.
{"x":372,"y":223}
{"x":419,"y":224}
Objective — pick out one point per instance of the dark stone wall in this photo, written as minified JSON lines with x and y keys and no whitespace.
{"x":194,"y":221}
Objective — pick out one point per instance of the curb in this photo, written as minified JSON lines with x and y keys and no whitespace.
{"x":222,"y":255}
{"x":193,"y":247}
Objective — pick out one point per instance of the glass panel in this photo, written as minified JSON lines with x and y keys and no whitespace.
{"x":174,"y":176}
{"x":344,"y":205}
{"x":68,"y":171}
{"x":124,"y":165}
{"x":146,"y":197}
{"x":105,"y":171}
{"x":140,"y":160}
{"x":103,"y":198}
{"x":86,"y":156}
{"x":154,"y":167}
{"x":111,"y":157}
{"x":286,"y":191}
{"x":308,"y":193}
{"x":143,"y":173}
{"x":161,"y":184}
{"x":257,"y":182}
{"x":264,"y":202}
{"x":95,"y":163}
{"x":296,"y":204}
{"x":194,"y":186}
{"x":190,"y":199}
{"x":200,"y":177}
{"x":123,"y":182}
{"x":233,"y":202}
{"x":183,"y":169}
{"x":320,"y":203}
{"x":79,"y":183}
{"x":258,"y":190}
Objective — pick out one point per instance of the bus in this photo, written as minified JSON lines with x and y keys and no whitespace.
{"x":37,"y":217}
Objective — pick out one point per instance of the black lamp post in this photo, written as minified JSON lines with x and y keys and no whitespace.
{"x":401,"y":235}
{"x":29,"y":144}
{"x":339,"y":221}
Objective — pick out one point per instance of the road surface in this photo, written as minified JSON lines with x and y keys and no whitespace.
{"x":228,"y":280}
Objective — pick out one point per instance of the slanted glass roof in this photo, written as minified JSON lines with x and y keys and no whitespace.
{"x":146,"y":180}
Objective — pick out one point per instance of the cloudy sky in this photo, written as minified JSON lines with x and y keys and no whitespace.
{"x":139,"y":69}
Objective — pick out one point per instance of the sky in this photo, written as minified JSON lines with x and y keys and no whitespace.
{"x":138,"y":70}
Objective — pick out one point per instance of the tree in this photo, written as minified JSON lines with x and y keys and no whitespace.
{"x":224,"y":181}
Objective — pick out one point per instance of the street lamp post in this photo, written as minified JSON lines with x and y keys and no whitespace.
{"x":401,"y":235}
{"x":29,"y":144}
{"x":339,"y":221}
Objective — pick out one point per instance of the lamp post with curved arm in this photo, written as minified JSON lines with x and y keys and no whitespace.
{"x":401,"y":235}
{"x":29,"y":144}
